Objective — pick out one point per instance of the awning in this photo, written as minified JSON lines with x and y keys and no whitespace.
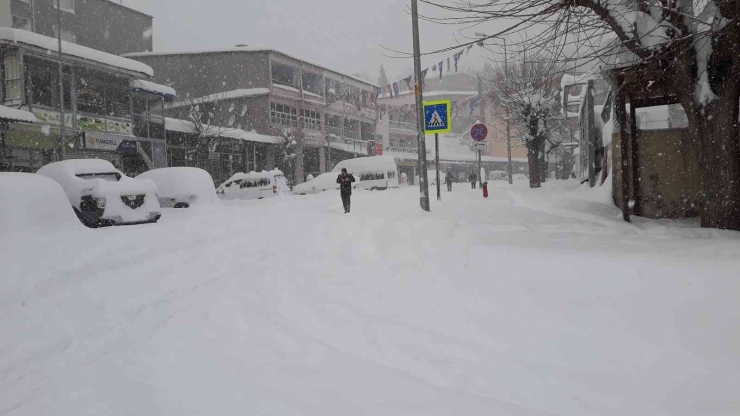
{"x":168,"y":93}
{"x":8,"y":114}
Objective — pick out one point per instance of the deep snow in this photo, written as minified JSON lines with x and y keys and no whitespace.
{"x":530,"y":302}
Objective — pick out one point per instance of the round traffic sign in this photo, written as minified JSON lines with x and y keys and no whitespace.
{"x":479,"y":132}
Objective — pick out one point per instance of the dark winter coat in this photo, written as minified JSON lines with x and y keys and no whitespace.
{"x":472,"y":177}
{"x":345,"y":183}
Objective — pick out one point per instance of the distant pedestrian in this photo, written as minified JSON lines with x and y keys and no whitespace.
{"x":345,"y":188}
{"x":448,"y":180}
{"x":472,"y":178}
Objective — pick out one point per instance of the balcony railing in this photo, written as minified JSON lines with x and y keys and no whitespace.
{"x":402,"y":125}
{"x":340,"y":132}
{"x":403,"y":150}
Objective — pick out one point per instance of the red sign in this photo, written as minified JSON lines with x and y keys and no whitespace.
{"x":479,"y":132}
{"x":379,"y":149}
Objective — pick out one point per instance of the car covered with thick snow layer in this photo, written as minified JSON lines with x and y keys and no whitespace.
{"x":102,"y":195}
{"x":33,"y":204}
{"x":373,"y":173}
{"x":324,"y":182}
{"x":181,"y":187}
{"x":254,"y":185}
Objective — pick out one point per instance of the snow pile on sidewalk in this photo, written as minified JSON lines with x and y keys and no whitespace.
{"x":527,"y":303}
{"x":33,"y":204}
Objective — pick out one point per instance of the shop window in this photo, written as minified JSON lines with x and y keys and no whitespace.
{"x":311,"y":119}
{"x":283,"y":115}
{"x":312,"y":83}
{"x":284,"y":74}
{"x":66,"y":5}
{"x":43,"y":81}
{"x":118,"y":99}
{"x":91,"y":96}
{"x":13,"y":77}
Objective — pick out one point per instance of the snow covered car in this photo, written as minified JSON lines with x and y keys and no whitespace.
{"x":373,"y":173}
{"x":498,"y":175}
{"x":102,"y":195}
{"x":324,"y":182}
{"x":181,"y":187}
{"x":254,"y":185}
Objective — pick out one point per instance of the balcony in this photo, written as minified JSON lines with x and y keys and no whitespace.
{"x":403,"y":126}
{"x":340,"y":132}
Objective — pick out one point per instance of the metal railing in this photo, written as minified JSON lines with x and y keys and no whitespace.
{"x":340,"y":132}
{"x":402,"y":125}
{"x":403,"y":150}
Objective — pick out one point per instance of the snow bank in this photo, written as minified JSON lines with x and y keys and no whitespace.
{"x":141,"y":85}
{"x":12,"y":114}
{"x":65,"y":173}
{"x":51,"y":44}
{"x":183,"y":184}
{"x":32,"y":203}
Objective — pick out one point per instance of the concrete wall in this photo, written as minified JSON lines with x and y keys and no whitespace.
{"x":98,"y":24}
{"x":669,"y":182}
{"x":197,"y":75}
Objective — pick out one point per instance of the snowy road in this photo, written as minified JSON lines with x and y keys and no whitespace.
{"x":528,"y":303}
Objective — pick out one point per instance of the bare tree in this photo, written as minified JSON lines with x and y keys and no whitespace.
{"x":694,"y":54}
{"x":528,"y":92}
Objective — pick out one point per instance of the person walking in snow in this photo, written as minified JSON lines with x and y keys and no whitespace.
{"x":345,"y":188}
{"x":472,"y":179}
{"x":448,"y":179}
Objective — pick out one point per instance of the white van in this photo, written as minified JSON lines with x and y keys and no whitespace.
{"x":372,"y":173}
{"x":254,"y":185}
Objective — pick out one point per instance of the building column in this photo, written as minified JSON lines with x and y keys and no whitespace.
{"x":322,"y":160}
{"x":270,"y":162}
{"x":299,"y":176}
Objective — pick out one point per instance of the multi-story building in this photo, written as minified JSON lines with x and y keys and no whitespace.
{"x":111,"y":110}
{"x":332,"y":115}
{"x":98,"y":24}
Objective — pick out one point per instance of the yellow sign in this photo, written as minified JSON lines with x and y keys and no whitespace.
{"x":437,"y":117}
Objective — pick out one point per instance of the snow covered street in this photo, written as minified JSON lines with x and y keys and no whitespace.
{"x":530,"y":302}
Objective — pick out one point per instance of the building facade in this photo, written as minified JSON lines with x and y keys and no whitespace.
{"x":330,"y":116}
{"x":111,"y":110}
{"x":98,"y":24}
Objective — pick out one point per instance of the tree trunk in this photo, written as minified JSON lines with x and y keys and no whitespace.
{"x":715,"y":138}
{"x":534,"y":164}
{"x":543,"y":163}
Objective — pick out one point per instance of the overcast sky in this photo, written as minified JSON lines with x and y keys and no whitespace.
{"x":345,"y":35}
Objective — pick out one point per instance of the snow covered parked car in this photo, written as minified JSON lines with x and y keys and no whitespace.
{"x":181,"y":187}
{"x":254,"y":185}
{"x":102,"y":195}
{"x":498,"y":175}
{"x":324,"y":182}
{"x":373,"y":173}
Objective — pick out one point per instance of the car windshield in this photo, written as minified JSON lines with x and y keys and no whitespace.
{"x":106,"y":176}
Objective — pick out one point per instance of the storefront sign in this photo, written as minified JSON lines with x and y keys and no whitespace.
{"x":90,"y":123}
{"x":119,"y":126}
{"x":112,"y":142}
{"x":52,"y":117}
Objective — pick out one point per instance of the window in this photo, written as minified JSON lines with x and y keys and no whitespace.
{"x":312,"y":83}
{"x":66,"y":5}
{"x":283,"y":115}
{"x":91,"y":96}
{"x":117,"y":98}
{"x":371,"y":176}
{"x":67,"y":35}
{"x":13,"y":77}
{"x":311,"y":119}
{"x":284,"y":74}
{"x":21,"y":23}
{"x":43,"y":83}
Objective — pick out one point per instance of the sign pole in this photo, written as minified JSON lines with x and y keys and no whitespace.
{"x":436,"y":160}
{"x":480,"y":180}
{"x":420,"y":125}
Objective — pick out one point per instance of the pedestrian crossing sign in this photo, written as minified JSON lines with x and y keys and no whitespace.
{"x":437,"y":117}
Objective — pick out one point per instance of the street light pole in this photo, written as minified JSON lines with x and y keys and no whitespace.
{"x":61,"y":81}
{"x":420,"y":136}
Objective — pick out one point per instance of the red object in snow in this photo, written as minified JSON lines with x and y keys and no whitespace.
{"x":485,"y":190}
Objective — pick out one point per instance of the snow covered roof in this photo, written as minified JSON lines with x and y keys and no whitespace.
{"x":15,"y":36}
{"x":238,"y":49}
{"x":185,"y":126}
{"x":141,"y":85}
{"x":227,"y":95}
{"x":12,"y":114}
{"x":430,"y":94}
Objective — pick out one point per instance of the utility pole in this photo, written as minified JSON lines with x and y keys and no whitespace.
{"x":482,"y":120}
{"x":436,"y":164}
{"x":508,"y":146}
{"x":420,"y":136}
{"x":61,"y":82}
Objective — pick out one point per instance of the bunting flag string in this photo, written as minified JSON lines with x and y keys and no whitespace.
{"x":393,"y":90}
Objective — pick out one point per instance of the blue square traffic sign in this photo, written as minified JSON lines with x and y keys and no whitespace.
{"x":437,"y":117}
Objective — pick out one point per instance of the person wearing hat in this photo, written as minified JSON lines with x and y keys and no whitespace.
{"x":345,"y":188}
